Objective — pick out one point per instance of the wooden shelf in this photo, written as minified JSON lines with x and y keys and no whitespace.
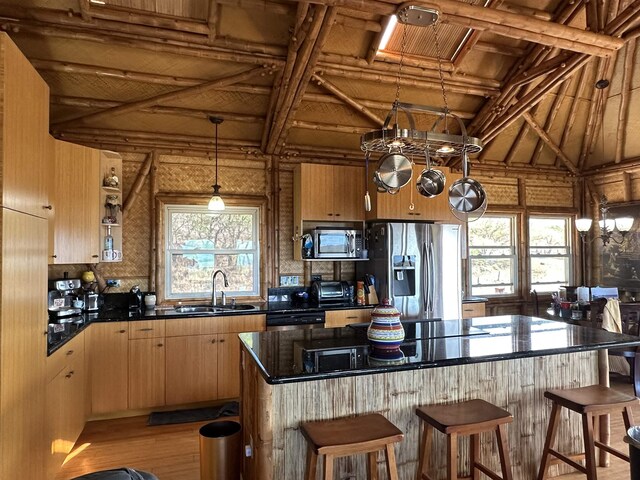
{"x":111,"y":189}
{"x":110,"y":224}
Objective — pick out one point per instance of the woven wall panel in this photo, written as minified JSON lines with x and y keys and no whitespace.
{"x":502,"y":191}
{"x":549,"y":194}
{"x":288,"y":266}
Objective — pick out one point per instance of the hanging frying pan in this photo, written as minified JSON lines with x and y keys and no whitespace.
{"x":467,"y":198}
{"x":394,"y":170}
{"x":430,"y":182}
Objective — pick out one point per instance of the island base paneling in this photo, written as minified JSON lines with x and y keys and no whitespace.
{"x":271,"y":414}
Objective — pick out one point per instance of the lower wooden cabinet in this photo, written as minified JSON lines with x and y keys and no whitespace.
{"x":475,"y":309}
{"x":65,"y":406}
{"x":342,"y":318}
{"x":147,"y":373}
{"x":108,"y":349}
{"x":228,"y":365}
{"x":191,"y":373}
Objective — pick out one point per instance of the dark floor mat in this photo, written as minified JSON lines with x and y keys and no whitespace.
{"x":193,"y":415}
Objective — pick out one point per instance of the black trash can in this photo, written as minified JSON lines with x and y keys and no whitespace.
{"x":633,"y":439}
{"x":220,"y":444}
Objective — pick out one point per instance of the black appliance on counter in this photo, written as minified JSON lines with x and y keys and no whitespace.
{"x":135,"y":299}
{"x":323,"y":292}
{"x":294,"y":321}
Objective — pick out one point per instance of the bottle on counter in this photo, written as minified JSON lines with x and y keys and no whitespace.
{"x":108,"y":240}
{"x":360,"y":293}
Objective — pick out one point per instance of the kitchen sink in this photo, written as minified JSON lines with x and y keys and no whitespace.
{"x":209,"y":309}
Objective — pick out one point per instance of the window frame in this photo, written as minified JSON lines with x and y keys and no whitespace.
{"x":570,"y":256}
{"x":515,"y":256}
{"x":201,"y":200}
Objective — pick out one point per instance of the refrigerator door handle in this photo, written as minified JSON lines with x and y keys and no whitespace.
{"x":426,"y":289}
{"x":432,"y":273}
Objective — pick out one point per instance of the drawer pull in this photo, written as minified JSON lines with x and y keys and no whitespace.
{"x":122,"y":331}
{"x":213,"y":341}
{"x":95,"y":256}
{"x":54,"y":256}
{"x":70,"y":352}
{"x":160,"y":345}
{"x":222,"y":341}
{"x":146,"y":329}
{"x":70,"y":374}
{"x":47,"y":207}
{"x":350,"y":317}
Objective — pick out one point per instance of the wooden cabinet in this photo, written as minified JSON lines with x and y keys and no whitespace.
{"x":342,"y":318}
{"x":25,"y":154}
{"x":75,"y":221}
{"x":475,"y":309}
{"x":328,"y":192}
{"x":65,"y":394}
{"x":108,"y":350}
{"x":385,"y":206}
{"x":23,"y":343}
{"x":192,"y":369}
{"x":209,"y":348}
{"x":147,"y":373}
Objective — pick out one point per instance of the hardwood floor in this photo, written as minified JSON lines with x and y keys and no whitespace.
{"x":171,"y":451}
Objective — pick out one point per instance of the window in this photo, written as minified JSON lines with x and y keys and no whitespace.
{"x":198,"y":241}
{"x":550,"y":252}
{"x":492,"y":255}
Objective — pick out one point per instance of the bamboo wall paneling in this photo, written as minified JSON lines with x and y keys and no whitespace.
{"x":629,"y":63}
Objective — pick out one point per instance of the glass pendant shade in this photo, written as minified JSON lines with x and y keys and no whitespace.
{"x":583,"y":224}
{"x":216,"y":203}
{"x":624,"y":224}
{"x":607,"y":224}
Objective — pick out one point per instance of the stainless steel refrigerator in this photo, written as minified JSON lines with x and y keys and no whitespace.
{"x":417,"y":266}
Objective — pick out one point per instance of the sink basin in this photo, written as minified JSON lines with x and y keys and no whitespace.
{"x":210,"y":309}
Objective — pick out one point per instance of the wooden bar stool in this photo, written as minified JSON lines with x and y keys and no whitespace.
{"x":590,"y":402}
{"x":348,"y":436}
{"x":471,"y":418}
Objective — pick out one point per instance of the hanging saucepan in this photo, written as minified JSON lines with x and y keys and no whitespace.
{"x":467,"y":198}
{"x":430,"y":182}
{"x":394,"y":171}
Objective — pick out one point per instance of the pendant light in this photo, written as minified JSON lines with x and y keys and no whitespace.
{"x":216,"y":203}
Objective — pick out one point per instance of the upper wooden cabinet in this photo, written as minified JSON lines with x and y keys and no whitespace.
{"x":25,"y":155}
{"x":385,"y":206}
{"x":75,"y":222}
{"x":328,"y":192}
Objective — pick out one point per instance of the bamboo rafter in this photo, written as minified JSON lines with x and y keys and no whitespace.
{"x":549,"y":141}
{"x":623,"y":112}
{"x":137,"y":185}
{"x":551,"y":116}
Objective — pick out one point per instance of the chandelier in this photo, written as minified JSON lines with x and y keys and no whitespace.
{"x":608,"y":226}
{"x":391,"y":138}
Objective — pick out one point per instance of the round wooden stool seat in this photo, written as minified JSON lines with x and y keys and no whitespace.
{"x":348,"y":436}
{"x":590,"y":402}
{"x":470,"y":417}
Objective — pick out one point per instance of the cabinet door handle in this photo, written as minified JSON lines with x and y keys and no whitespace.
{"x":213,"y":341}
{"x":47,"y":207}
{"x":70,"y":374}
{"x":222,"y":341}
{"x":95,"y":256}
{"x":330,"y":214}
{"x":146,"y":329}
{"x":417,"y":213}
{"x":70,"y":352}
{"x":54,"y":256}
{"x":122,"y":331}
{"x":160,"y":345}
{"x":337,"y":214}
{"x":350,"y":317}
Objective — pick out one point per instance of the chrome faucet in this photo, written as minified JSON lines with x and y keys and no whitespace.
{"x":213,"y":286}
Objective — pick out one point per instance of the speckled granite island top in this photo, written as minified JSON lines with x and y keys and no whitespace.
{"x":304,"y":355}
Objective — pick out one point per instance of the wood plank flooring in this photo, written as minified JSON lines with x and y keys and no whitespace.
{"x":171,"y":452}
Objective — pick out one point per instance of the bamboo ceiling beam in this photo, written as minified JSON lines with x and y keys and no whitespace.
{"x":534,"y":12}
{"x":592,"y":16}
{"x":298,"y":56}
{"x":573,"y":110}
{"x":472,"y":39}
{"x":263,"y":5}
{"x":330,"y":87}
{"x":213,"y":19}
{"x":300,"y":80}
{"x":551,"y":116}
{"x":81,"y":102}
{"x":523,"y":27}
{"x":625,"y":92}
{"x":375,"y":44}
{"x":506,"y":50}
{"x":627,"y":189}
{"x":85,"y":7}
{"x":170,"y":96}
{"x":325,"y":127}
{"x":549,"y":141}
{"x":137,"y":185}
{"x":540,"y":70}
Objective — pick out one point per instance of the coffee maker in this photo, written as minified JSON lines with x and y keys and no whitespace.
{"x":61,"y":295}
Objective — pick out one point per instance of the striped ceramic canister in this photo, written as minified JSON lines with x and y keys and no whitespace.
{"x":385,"y":333}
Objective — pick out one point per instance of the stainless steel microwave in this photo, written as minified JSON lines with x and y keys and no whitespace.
{"x":318,"y":360}
{"x":336,"y":243}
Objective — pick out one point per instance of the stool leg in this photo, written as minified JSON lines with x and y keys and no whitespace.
{"x":328,"y":467}
{"x":589,"y":448}
{"x":425,"y":451}
{"x":372,"y":465}
{"x":548,"y":443}
{"x":392,"y":469}
{"x":312,"y":461}
{"x":503,"y":450}
{"x":452,"y":456}
{"x":475,"y":455}
{"x":627,"y":416}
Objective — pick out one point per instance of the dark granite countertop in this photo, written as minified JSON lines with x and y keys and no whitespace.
{"x":284,"y":357}
{"x":475,"y":300}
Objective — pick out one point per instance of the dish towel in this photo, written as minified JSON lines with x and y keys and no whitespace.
{"x":611,"y":320}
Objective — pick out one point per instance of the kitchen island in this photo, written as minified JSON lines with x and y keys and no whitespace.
{"x":290,"y":377}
